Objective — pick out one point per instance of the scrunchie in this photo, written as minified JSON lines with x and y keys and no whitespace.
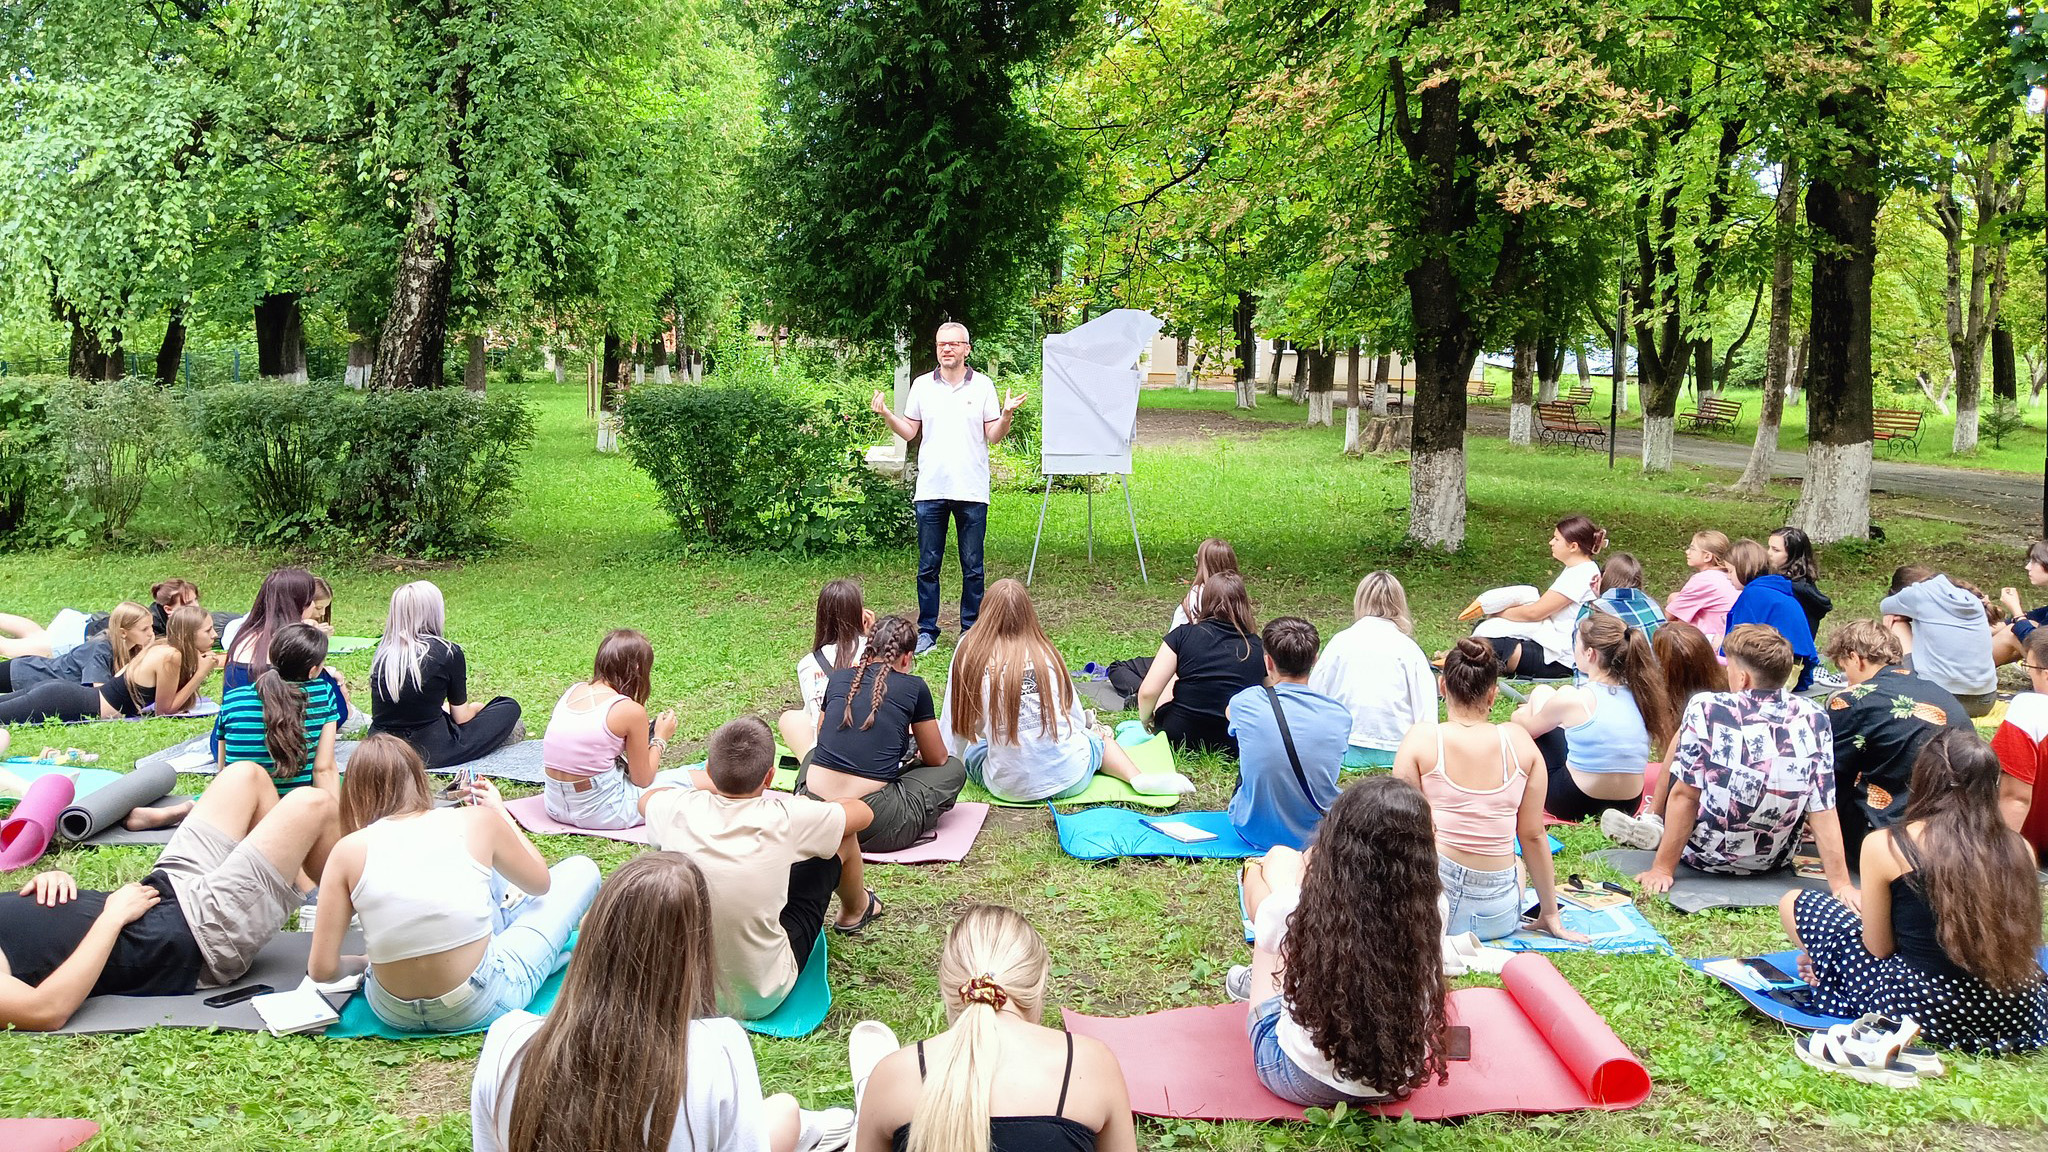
{"x":983,"y":989}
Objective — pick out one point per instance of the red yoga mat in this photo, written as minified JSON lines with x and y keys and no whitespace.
{"x":26,"y":834}
{"x":38,"y":1135}
{"x":1537,"y":1046}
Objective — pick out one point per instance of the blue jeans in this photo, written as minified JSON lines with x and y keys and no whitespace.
{"x":525,"y":950}
{"x":971,"y":526}
{"x":1486,"y":904}
{"x":1277,"y":1070}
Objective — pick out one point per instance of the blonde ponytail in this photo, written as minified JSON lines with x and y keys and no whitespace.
{"x":992,"y":960}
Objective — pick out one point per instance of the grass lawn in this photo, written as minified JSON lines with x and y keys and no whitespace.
{"x":590,"y":550}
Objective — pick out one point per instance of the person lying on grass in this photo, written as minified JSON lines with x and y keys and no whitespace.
{"x":1753,"y":765}
{"x":839,"y":634}
{"x":773,"y":861}
{"x":1950,"y":920}
{"x":1485,"y":785}
{"x":219,"y":892}
{"x":286,"y":723}
{"x":880,"y":744}
{"x":164,"y":674}
{"x":634,"y":1054}
{"x":75,"y":658}
{"x":997,"y":1077}
{"x":1012,"y":716}
{"x":1346,"y":983}
{"x":600,"y":752}
{"x":1290,"y":740}
{"x":445,"y":950}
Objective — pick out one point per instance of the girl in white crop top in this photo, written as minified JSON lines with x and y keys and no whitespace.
{"x":430,"y":886}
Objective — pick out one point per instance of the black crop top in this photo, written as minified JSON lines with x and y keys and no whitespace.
{"x":115,"y":692}
{"x":1054,"y":1133}
{"x":1915,"y":933}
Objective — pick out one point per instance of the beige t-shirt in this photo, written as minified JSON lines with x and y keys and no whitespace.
{"x":745,"y":848}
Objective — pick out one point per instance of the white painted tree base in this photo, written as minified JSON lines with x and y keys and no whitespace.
{"x":1834,"y":503}
{"x":1521,"y":424}
{"x":607,"y":432}
{"x":1184,"y":377}
{"x":1657,"y":434}
{"x":1351,"y":431}
{"x":357,"y":376}
{"x":1248,"y":394}
{"x":661,"y":374}
{"x":1966,"y":429}
{"x":1436,"y":499}
{"x":1322,"y":408}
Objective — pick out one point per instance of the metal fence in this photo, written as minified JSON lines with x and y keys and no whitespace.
{"x":197,"y":366}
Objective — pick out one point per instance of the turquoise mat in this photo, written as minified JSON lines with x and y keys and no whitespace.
{"x":804,"y":1008}
{"x":1620,"y":929}
{"x":358,"y":1021}
{"x":90,"y":780}
{"x":1356,"y":758}
{"x":1109,"y":833}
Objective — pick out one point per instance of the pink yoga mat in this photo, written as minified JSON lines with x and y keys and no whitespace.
{"x":953,"y":837}
{"x":39,"y":1135}
{"x":26,"y":834}
{"x":1537,"y":1046}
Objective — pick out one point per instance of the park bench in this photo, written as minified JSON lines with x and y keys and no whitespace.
{"x":1714,"y":412}
{"x":1580,"y":396}
{"x":1895,"y":426}
{"x":1561,"y":424}
{"x":1477,"y":390}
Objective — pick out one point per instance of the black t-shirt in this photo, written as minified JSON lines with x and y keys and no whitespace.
{"x":1212,"y":664}
{"x":155,"y":956}
{"x":879,"y":752}
{"x":444,"y":675}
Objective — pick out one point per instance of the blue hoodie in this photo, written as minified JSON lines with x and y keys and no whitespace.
{"x":1768,"y":600}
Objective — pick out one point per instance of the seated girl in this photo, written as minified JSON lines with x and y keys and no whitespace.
{"x":1202,"y":664}
{"x":1951,"y":917}
{"x":1534,"y":640}
{"x":164,"y":675}
{"x":1597,"y":738}
{"x":1376,"y":669}
{"x":286,"y":722}
{"x":419,"y":687}
{"x":444,"y":952}
{"x":997,"y":1077}
{"x":879,"y":743}
{"x":1766,"y":598}
{"x":1690,"y":667}
{"x":1789,"y":553}
{"x":1622,"y":596}
{"x":676,"y":1074}
{"x":1212,"y":556}
{"x":1012,"y":717}
{"x":1346,"y":982}
{"x":92,"y":660}
{"x":1485,"y":785}
{"x":597,"y":752}
{"x":837,"y":639}
{"x":1710,"y":591}
{"x":287,"y":596}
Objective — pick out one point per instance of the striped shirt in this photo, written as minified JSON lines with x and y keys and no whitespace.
{"x":238,"y":729}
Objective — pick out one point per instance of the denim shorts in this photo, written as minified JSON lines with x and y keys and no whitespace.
{"x":976,"y":754}
{"x":1486,"y":904}
{"x":610,"y":803}
{"x":1278,"y":1071}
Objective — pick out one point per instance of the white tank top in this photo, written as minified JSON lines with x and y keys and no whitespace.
{"x":421,"y":891}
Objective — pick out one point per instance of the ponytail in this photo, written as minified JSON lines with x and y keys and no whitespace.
{"x":284,"y":723}
{"x":1626,"y":654}
{"x":992,"y":960}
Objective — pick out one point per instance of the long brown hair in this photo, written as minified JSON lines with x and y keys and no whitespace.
{"x":1224,"y":599}
{"x":1976,"y":872}
{"x":181,"y":632}
{"x":608,"y":1068}
{"x":838,"y":623}
{"x":386,"y":777}
{"x":1687,"y":659}
{"x":1626,"y":654}
{"x":625,"y":662}
{"x":295,"y":650}
{"x":1211,"y":556}
{"x":990,"y":668}
{"x":1364,"y":974}
{"x":992,"y":958}
{"x":892,"y":637}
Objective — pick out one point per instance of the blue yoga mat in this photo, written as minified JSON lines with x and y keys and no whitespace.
{"x":1618,"y":929}
{"x":89,"y":780}
{"x":1107,"y":833}
{"x":358,"y":1021}
{"x":804,"y":1008}
{"x":1784,"y":1013}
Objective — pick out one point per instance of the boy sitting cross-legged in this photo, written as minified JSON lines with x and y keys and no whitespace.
{"x":770,"y":860}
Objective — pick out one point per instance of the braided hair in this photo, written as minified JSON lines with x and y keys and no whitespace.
{"x":890,"y":640}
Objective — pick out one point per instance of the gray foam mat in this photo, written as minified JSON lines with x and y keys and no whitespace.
{"x":1696,"y":891}
{"x":281,"y":964}
{"x":519,"y":761}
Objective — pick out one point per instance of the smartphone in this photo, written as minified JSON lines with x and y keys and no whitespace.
{"x":236,"y":996}
{"x":464,"y":780}
{"x":1770,"y":971}
{"x":1458,"y":1042}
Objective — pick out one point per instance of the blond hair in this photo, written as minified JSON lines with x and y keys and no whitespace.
{"x":1864,"y":639}
{"x":1380,"y":594}
{"x":1714,"y":543}
{"x":125,"y":618}
{"x":992,"y":958}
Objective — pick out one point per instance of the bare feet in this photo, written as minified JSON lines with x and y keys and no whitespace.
{"x":144,"y":819}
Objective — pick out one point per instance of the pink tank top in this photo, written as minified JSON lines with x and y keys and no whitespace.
{"x":578,"y":743}
{"x":1481,"y":823}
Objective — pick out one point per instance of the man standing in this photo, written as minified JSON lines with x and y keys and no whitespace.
{"x":956,"y":410}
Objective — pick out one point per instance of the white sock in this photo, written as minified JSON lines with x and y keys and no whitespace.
{"x":1162,"y":784}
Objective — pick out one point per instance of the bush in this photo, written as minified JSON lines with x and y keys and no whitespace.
{"x":31,"y":480}
{"x":276,"y":445}
{"x":2000,"y":420}
{"x":113,"y":434}
{"x":747,"y":466}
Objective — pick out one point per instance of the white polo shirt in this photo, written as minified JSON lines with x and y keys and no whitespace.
{"x":952,"y":458}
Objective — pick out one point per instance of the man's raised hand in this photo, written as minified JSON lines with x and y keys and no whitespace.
{"x":1010,"y":403}
{"x":879,"y":406}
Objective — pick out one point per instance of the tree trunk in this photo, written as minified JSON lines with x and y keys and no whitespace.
{"x":413,"y":341}
{"x":1353,"y":398}
{"x":1322,"y":384}
{"x":608,"y":379}
{"x":1521,"y":391}
{"x":1273,"y":378}
{"x":1298,"y":387}
{"x":1841,"y":207}
{"x":2005,"y":378}
{"x":90,"y":358}
{"x":1247,"y":350}
{"x":280,"y":338}
{"x":170,"y":355}
{"x":1585,"y":372}
{"x":476,"y":364}
{"x":1704,"y":382}
{"x":1778,"y":343}
{"x":1382,"y":382}
{"x":361,"y":353}
{"x":1183,"y":372}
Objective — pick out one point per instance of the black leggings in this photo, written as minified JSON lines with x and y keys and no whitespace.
{"x":1524,"y":658}
{"x":1563,"y":798}
{"x":1191,"y":731}
{"x":50,"y":700}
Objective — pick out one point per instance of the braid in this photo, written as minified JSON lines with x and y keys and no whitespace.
{"x":887,"y":641}
{"x":860,"y":670}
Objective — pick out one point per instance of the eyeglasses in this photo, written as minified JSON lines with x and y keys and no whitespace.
{"x":2034,"y":668}
{"x":952,"y":343}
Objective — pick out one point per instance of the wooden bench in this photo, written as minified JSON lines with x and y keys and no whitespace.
{"x":1895,"y":426}
{"x":1714,"y":412}
{"x":1477,"y":390}
{"x":1561,"y":424}
{"x":1579,"y":397}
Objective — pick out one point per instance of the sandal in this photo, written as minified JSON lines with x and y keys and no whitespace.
{"x":1866,"y":1059}
{"x":873,"y":910}
{"x":1879,"y":1028}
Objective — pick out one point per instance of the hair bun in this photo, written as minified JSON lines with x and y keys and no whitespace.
{"x":1474,"y":649}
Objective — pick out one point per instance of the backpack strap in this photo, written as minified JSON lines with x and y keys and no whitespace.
{"x":825,"y":667}
{"x":1293,"y":757}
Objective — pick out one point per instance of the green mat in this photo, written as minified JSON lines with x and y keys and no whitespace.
{"x":804,"y":1008}
{"x":358,"y":1021}
{"x":343,"y":645}
{"x":1154,"y":755}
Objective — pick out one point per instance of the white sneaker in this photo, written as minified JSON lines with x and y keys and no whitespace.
{"x":827,"y":1131}
{"x":1646,"y":831}
{"x":870,"y":1042}
{"x":1237,"y":983}
{"x":1162,"y":784}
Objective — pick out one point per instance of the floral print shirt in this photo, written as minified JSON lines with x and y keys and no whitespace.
{"x":1761,"y":761}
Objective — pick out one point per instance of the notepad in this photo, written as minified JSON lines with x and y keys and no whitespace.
{"x":1180,"y":830}
{"x":303,"y":1009}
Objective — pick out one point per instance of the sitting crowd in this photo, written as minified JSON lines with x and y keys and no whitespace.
{"x":1687,"y":729}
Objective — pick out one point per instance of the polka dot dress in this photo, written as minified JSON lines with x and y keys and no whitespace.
{"x":1952,"y":1012}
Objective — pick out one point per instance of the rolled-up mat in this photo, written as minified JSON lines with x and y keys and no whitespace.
{"x":1611,"y":1075}
{"x":94,"y":812}
{"x":26,"y":834}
